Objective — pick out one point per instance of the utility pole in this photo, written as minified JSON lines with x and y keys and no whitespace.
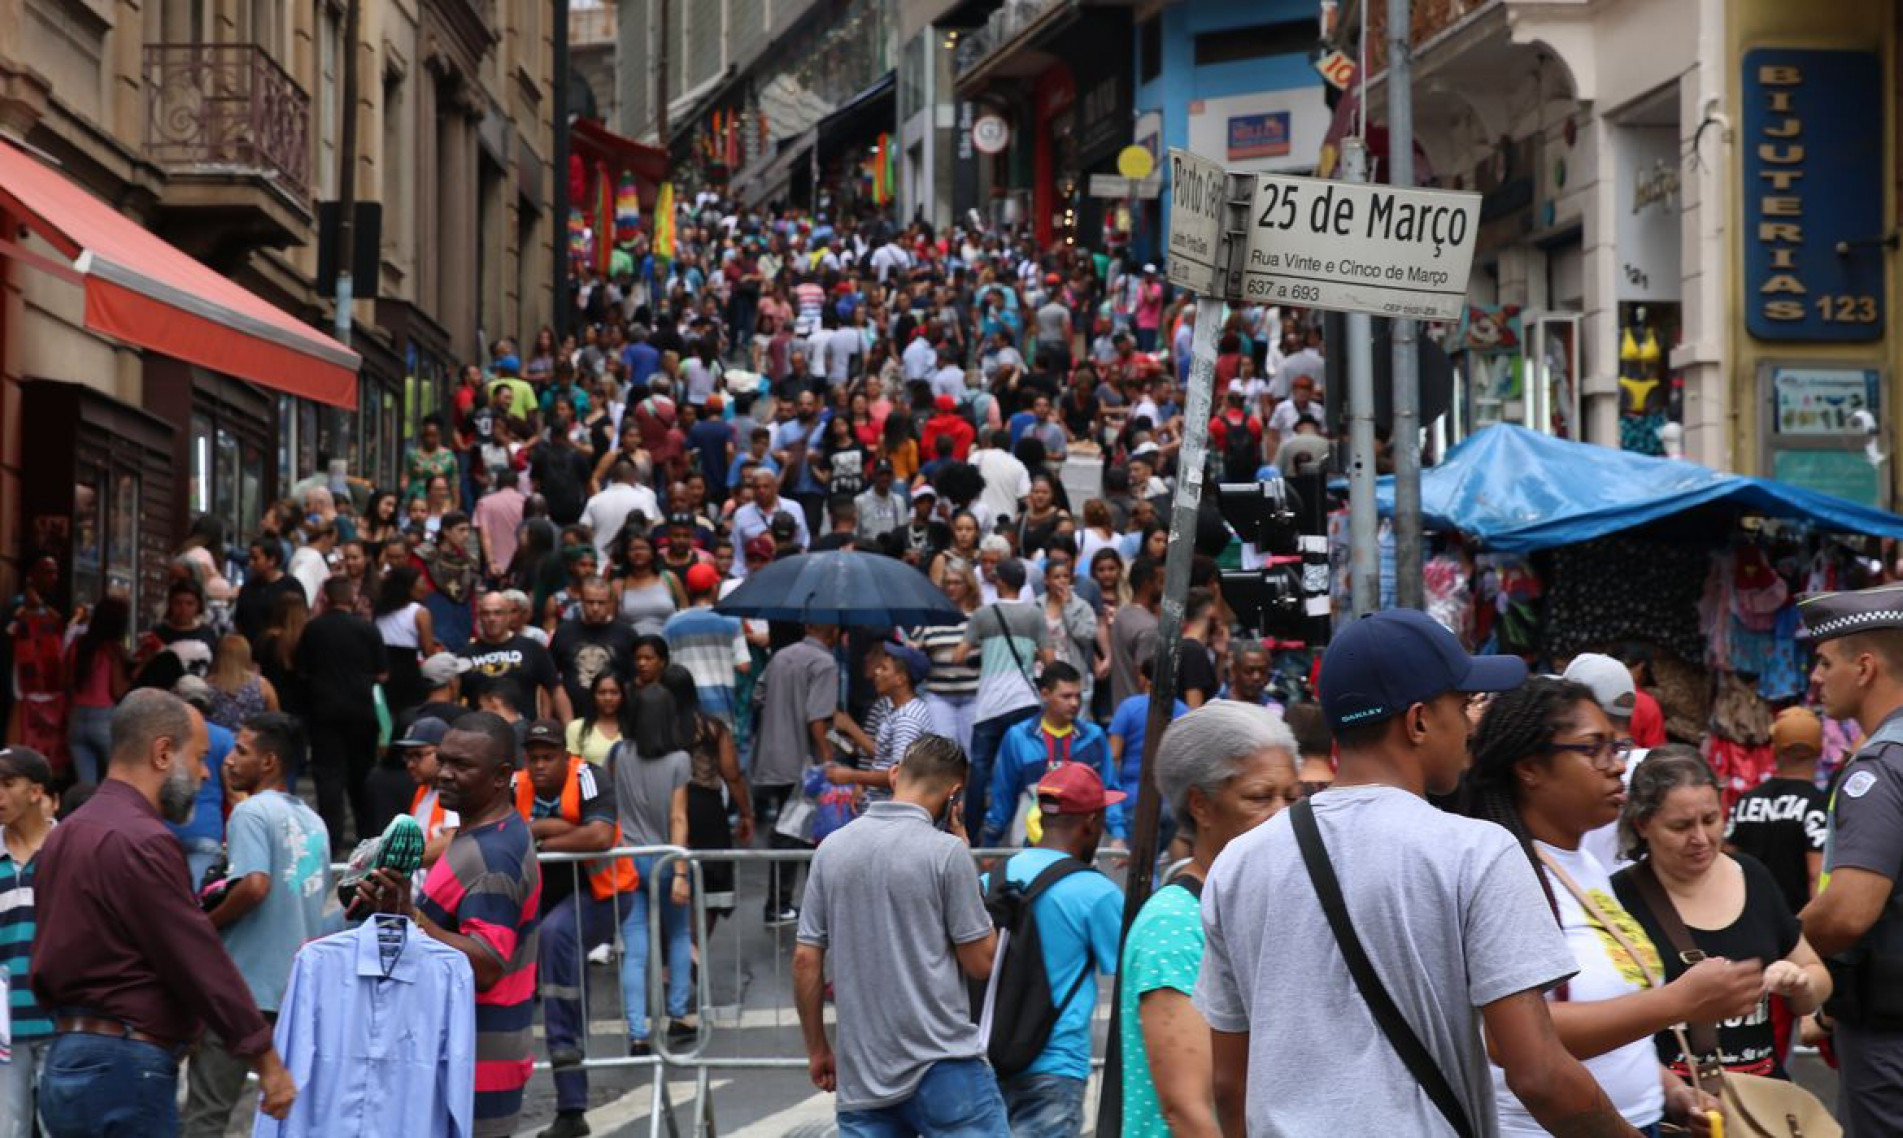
{"x":1364,"y":530}
{"x":660,"y":79}
{"x":558,"y":241}
{"x":347,"y":205}
{"x":1409,"y":588}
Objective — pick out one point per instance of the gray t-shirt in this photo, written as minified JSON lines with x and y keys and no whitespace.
{"x":1008,"y":635}
{"x":1132,"y":640}
{"x":801,"y":684}
{"x":888,"y":898}
{"x":644,"y":792}
{"x":1450,"y":914}
{"x":277,"y":835}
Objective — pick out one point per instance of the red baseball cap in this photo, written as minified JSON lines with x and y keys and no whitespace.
{"x":1075,"y":788}
{"x":702,"y":578}
{"x":945,"y":403}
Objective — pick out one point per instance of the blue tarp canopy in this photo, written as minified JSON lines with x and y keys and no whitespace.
{"x":1518,"y":491}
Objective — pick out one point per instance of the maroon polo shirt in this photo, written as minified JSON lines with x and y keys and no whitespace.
{"x":121,"y":936}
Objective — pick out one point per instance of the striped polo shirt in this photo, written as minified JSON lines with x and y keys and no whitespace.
{"x":30,"y":1022}
{"x":488,"y":886}
{"x":710,"y":646}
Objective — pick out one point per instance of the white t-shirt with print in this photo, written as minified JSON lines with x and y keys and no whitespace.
{"x":1629,"y":1075}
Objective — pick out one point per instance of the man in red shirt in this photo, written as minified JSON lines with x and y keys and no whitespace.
{"x":947,"y":421}
{"x":1236,"y":435}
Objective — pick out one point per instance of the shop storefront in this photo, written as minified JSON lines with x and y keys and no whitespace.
{"x":140,"y":376}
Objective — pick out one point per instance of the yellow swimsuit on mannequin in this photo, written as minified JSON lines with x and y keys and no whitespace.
{"x":1638,"y":392}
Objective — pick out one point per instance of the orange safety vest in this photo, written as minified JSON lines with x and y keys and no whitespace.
{"x":606,"y":876}
{"x":437,"y":815}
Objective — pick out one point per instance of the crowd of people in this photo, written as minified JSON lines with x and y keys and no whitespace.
{"x":521,"y":647}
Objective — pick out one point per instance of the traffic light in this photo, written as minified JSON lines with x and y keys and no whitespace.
{"x":1286,"y":521}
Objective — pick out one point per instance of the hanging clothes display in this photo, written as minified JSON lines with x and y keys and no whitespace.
{"x":378,"y":1031}
{"x":1615,"y":589}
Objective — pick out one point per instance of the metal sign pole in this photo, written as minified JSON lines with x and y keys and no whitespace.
{"x":1191,"y":468}
{"x":1364,"y":531}
{"x":1409,"y":587}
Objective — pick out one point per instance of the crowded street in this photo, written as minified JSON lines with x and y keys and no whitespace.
{"x":983,"y":568}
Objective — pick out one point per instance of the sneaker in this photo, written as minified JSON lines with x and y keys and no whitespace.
{"x":683,"y":1030}
{"x":562,"y":1058}
{"x":787,"y":916}
{"x":568,"y":1124}
{"x":639,"y":1049}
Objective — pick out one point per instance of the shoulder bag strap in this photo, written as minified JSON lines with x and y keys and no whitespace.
{"x":1703,"y":1036}
{"x":1011,"y":642}
{"x":1387,"y":1016}
{"x":1598,"y":916}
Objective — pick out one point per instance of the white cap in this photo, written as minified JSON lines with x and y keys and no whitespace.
{"x":1610,"y":681}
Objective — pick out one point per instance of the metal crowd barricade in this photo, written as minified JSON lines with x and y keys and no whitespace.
{"x":664,"y":1055}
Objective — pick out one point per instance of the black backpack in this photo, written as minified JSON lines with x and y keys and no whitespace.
{"x":1241,"y":452}
{"x":1023,"y":1013}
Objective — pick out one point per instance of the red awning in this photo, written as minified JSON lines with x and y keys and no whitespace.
{"x":142,"y":290}
{"x":596,"y":143}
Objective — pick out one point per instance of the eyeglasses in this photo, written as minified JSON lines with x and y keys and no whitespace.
{"x":1607,"y":754}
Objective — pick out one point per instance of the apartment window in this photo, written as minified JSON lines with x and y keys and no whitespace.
{"x":330,"y":38}
{"x":1150,"y":49}
{"x":1256,"y":41}
{"x":396,"y":163}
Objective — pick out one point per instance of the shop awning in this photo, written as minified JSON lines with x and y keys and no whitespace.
{"x":1519,"y":491}
{"x":859,"y":119}
{"x":142,"y":290}
{"x":595,"y":142}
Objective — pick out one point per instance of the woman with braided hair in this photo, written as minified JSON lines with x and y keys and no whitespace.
{"x":1547,"y":765}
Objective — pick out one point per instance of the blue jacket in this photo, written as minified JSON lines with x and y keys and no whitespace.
{"x":1023,"y":758}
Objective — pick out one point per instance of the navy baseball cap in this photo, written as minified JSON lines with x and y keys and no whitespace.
{"x":1386,"y":662}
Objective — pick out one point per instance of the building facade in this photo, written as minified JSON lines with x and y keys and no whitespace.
{"x":218,"y":126}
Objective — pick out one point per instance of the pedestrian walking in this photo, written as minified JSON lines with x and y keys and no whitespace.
{"x":26,"y":818}
{"x":125,"y":961}
{"x":796,"y":712}
{"x":1481,"y":946}
{"x":895,"y":902}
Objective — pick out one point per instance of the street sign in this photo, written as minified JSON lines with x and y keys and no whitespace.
{"x":1337,"y":68}
{"x":1135,"y":162}
{"x":1358,"y":248}
{"x":1111,"y":186}
{"x":1199,"y":191}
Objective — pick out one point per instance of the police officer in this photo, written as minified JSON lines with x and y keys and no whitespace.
{"x":1856,"y":921}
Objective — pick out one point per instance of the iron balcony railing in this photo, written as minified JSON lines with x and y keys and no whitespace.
{"x":227,"y":108}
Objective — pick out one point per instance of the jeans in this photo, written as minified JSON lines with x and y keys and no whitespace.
{"x":575,"y":927}
{"x":951,"y":717}
{"x":1044,"y":1106}
{"x":678,"y":944}
{"x":99,"y":1086}
{"x":214,"y":1081}
{"x":986,"y":736}
{"x":957,"y":1098}
{"x":18,"y":1081}
{"x":89,"y":734}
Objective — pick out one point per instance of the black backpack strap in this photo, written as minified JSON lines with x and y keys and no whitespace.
{"x":1050,"y":875}
{"x":1387,"y":1016}
{"x":1190,"y":885}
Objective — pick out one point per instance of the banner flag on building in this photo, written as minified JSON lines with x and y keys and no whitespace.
{"x":627,"y":209}
{"x":664,"y":222}
{"x":604,"y":218}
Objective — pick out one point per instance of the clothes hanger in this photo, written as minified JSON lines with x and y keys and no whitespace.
{"x":393,"y":936}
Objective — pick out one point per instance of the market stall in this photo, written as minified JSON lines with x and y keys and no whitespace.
{"x":1547,"y":548}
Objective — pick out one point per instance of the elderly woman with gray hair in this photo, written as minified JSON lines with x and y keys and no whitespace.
{"x":1224,"y":769}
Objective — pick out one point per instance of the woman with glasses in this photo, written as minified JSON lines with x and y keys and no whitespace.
{"x":1548,"y":766}
{"x":1673,"y":827}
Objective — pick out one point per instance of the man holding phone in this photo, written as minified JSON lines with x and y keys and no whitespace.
{"x":898,"y":903}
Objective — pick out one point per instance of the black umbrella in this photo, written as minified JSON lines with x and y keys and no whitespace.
{"x":863,"y":589}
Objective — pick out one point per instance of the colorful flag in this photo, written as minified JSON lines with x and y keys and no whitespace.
{"x":627,"y":209}
{"x":664,"y":222}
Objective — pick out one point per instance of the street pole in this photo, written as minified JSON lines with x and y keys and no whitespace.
{"x":1409,"y":587}
{"x":1191,"y":466}
{"x":558,"y":239}
{"x":1364,"y":566}
{"x":347,"y":209}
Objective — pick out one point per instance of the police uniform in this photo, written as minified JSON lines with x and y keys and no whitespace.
{"x":1866,"y":832}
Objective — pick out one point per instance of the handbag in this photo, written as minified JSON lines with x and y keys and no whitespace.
{"x":1756,"y":1106}
{"x":1420,"y":1063}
